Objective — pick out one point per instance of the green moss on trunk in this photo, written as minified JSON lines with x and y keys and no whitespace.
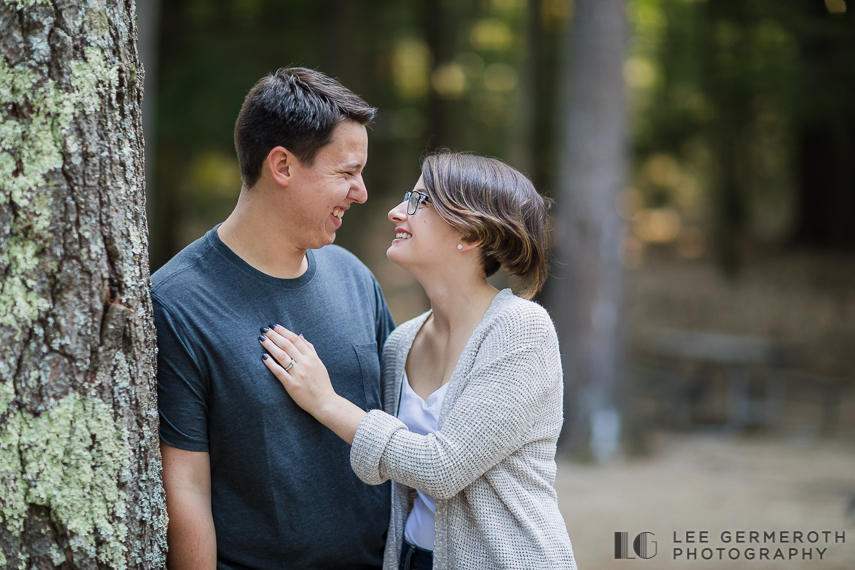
{"x":79,"y":463}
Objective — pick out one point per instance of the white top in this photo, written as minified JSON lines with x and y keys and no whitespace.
{"x":491,"y":464}
{"x":420,"y":417}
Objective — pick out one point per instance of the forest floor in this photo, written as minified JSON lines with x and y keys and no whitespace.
{"x":715,"y":483}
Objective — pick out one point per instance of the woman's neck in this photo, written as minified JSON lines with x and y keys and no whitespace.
{"x":459,"y":305}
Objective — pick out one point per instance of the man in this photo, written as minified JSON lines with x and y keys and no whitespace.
{"x":251,"y":480}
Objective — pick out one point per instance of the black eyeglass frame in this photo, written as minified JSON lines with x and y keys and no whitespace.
{"x":413,"y":204}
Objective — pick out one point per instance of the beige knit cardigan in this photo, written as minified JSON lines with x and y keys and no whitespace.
{"x":491,"y":464}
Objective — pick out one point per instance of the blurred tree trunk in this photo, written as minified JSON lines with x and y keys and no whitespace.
{"x":440,"y":35}
{"x":586,"y":290}
{"x":730,"y":96}
{"x":169,"y":160}
{"x":826,"y":191}
{"x":80,"y":482}
{"x":545,"y":33}
{"x":148,"y":27}
{"x":826,"y":131}
{"x":344,"y":53}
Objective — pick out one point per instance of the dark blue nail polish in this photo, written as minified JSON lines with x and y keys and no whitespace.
{"x":264,"y":329}
{"x":264,"y":357}
{"x":273,"y":325}
{"x":262,"y":338}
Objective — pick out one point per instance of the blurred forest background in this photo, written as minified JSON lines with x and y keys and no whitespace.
{"x":738,"y":303}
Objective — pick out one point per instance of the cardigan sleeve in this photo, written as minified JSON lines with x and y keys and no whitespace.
{"x":498,"y":406}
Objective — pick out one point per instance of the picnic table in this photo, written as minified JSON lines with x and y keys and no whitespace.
{"x":753,"y":368}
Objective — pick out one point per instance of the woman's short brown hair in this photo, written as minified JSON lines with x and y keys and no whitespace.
{"x":489,"y":202}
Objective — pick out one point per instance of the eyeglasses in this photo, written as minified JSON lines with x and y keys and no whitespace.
{"x":414,"y":199}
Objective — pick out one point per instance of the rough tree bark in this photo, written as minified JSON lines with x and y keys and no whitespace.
{"x":584,"y":296}
{"x":80,"y":483}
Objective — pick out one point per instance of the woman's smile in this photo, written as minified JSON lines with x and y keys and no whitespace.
{"x":401,"y":235}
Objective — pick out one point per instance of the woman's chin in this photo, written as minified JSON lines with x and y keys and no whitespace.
{"x":395,"y":257}
{"x":391,"y":255}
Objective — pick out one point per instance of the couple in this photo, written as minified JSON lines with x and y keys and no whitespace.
{"x":278,"y":449}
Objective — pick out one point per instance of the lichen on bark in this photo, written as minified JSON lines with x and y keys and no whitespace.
{"x":79,"y":463}
{"x":73,"y":456}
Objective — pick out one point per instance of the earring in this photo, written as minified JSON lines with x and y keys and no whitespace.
{"x":459,"y":246}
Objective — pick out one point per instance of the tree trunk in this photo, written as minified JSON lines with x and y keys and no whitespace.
{"x":826,"y":189}
{"x":825,"y":140}
{"x":586,"y":290}
{"x":439,"y":33}
{"x":148,"y":32}
{"x":80,"y":483}
{"x":542,"y":73}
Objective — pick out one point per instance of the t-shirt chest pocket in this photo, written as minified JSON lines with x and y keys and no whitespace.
{"x":369,"y":366}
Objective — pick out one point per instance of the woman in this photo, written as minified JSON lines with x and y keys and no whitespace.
{"x":473,"y":388}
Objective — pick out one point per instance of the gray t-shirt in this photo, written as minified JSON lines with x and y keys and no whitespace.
{"x":283,"y":493}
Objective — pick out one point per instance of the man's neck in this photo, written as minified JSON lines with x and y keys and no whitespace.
{"x":254,"y":233}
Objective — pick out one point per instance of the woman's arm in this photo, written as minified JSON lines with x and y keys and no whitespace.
{"x":500,"y":404}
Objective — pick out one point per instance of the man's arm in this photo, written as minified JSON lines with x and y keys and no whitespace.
{"x":190,"y":536}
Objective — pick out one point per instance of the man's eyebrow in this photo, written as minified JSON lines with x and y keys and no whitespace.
{"x":352,"y":166}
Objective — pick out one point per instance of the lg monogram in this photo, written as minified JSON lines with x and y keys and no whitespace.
{"x":641,"y":545}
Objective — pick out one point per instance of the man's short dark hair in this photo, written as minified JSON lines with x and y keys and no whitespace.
{"x":295,"y":108}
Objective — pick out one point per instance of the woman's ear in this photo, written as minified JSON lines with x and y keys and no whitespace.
{"x":280,"y":164}
{"x":467,"y":245}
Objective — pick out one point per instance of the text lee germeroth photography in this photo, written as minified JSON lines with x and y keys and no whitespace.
{"x":704,"y":545}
